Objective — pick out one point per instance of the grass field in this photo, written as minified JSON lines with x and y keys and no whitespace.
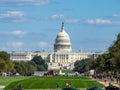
{"x":7,"y":80}
{"x":51,"y":82}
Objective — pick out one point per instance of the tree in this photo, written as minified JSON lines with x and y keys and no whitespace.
{"x":5,"y":56}
{"x":10,"y":66}
{"x":38,"y":60}
{"x":114,"y":51}
{"x":110,"y":61}
{"x":2,"y":65}
{"x":101,"y":64}
{"x":20,"y":67}
{"x":81,"y":65}
{"x":31,"y":67}
{"x":41,"y":65}
{"x":24,"y":68}
{"x":6,"y":63}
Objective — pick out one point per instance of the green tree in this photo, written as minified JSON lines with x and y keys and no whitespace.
{"x":20,"y":67}
{"x":114,"y":51}
{"x":41,"y":64}
{"x":8,"y":64}
{"x":108,"y":62}
{"x":31,"y":67}
{"x":81,"y":65}
{"x":38,"y":60}
{"x":2,"y":65}
{"x":101,"y":64}
{"x":5,"y":56}
{"x":24,"y":68}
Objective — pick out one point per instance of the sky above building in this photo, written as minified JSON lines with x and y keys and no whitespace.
{"x":32,"y":25}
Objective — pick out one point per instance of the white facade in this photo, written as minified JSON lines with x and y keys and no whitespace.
{"x":62,"y":57}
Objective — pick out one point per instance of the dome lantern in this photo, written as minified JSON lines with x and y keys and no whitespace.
{"x":62,"y":28}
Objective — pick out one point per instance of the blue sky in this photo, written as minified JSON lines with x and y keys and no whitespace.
{"x":32,"y":25}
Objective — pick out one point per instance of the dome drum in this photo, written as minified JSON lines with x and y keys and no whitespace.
{"x":61,"y":48}
{"x":65,"y":40}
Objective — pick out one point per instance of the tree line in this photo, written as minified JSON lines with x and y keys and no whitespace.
{"x":21,"y":67}
{"x":108,"y":62}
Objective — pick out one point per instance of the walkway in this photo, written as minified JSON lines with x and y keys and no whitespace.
{"x":2,"y":87}
{"x":107,"y":83}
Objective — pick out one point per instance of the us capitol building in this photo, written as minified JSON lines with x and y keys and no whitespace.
{"x":62,"y":57}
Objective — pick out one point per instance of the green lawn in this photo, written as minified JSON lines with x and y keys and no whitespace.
{"x":51,"y":82}
{"x":7,"y":80}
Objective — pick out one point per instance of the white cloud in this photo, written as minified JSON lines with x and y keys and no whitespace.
{"x":12,"y":14}
{"x":15,"y":17}
{"x":72,"y":21}
{"x":57,"y":16}
{"x":98,"y":22}
{"x":116,"y":15}
{"x":15,"y":44}
{"x":23,"y":2}
{"x":42,"y":44}
{"x":63,"y":18}
{"x":18,"y":33}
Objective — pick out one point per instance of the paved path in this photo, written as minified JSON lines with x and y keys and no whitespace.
{"x":1,"y":87}
{"x":107,"y":83}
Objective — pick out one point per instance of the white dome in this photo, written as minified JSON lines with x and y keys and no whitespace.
{"x":62,"y":42}
{"x":62,"y":34}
